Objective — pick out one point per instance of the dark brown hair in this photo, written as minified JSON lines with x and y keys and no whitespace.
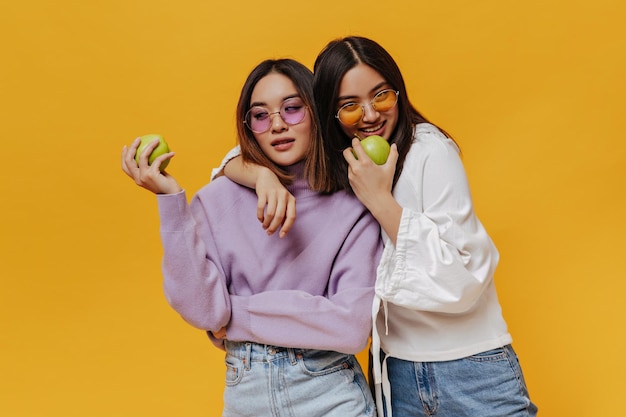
{"x":332,"y":63}
{"x":315,"y":160}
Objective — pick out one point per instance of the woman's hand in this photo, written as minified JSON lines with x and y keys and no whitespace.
{"x":220,"y":334}
{"x":368,"y":180}
{"x":372,"y":184}
{"x":148,"y":176}
{"x":276,"y":206}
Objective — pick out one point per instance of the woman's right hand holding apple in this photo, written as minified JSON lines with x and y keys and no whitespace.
{"x":148,"y":176}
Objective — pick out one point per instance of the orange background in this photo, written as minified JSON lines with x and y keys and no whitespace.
{"x":532,"y":91}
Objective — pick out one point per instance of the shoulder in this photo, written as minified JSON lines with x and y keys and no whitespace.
{"x":340,"y":198}
{"x":222,"y":191}
{"x":432,"y":157}
{"x":345,"y":198}
{"x":428,"y":138}
{"x":431,"y":145}
{"x":340,"y":205}
{"x":216,"y":185}
{"x":348,"y":207}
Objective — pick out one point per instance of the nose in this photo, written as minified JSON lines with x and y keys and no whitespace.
{"x":369,"y":113}
{"x":278,"y":124}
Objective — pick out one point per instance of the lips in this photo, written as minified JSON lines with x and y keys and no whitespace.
{"x":373,"y":130}
{"x":278,"y":142}
{"x":283,"y":144}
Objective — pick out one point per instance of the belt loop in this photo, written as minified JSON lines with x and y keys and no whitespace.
{"x":292,"y":356}
{"x":247,"y":359}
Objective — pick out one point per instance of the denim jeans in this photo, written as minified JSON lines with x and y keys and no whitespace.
{"x":271,"y":381}
{"x":488,"y":384}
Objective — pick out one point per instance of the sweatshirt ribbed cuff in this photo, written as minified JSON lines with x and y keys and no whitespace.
{"x":239,"y":328}
{"x":173,"y":210}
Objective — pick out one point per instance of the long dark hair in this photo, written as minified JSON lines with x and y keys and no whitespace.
{"x":332,"y":63}
{"x":315,"y":159}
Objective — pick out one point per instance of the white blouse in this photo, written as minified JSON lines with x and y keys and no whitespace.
{"x":436,"y":286}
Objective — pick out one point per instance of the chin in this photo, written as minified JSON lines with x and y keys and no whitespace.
{"x":285,"y":162}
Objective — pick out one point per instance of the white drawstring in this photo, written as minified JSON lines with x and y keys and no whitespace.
{"x":381,"y":378}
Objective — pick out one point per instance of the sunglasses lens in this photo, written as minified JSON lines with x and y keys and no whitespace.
{"x":258,"y":119}
{"x":350,"y":114}
{"x":385,"y":100}
{"x":293,"y":111}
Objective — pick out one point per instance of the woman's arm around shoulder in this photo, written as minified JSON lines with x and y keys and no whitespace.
{"x":276,"y":206}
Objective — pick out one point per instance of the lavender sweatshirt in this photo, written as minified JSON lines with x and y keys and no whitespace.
{"x":312,"y":289}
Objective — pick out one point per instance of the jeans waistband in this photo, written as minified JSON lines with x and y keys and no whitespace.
{"x":255,"y":352}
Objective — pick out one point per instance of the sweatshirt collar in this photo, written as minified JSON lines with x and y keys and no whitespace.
{"x":300,"y":186}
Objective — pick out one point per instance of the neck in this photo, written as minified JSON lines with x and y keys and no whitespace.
{"x":300,"y":185}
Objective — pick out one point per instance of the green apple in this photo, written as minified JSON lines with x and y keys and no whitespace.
{"x":377,"y":148}
{"x":158,"y":151}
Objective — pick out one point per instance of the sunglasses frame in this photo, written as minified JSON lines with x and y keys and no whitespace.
{"x":279,"y":112}
{"x":370,"y":104}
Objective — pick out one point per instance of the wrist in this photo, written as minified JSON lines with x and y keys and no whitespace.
{"x":384,"y":207}
{"x":264,"y":175}
{"x":170,"y":190}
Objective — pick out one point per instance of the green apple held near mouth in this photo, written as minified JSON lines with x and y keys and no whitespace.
{"x":161,"y":149}
{"x":377,"y":148}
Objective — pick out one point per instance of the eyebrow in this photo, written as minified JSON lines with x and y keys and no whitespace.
{"x":376,"y":87}
{"x":263,"y":104}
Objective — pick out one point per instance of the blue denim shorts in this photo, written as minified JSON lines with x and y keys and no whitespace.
{"x":272,"y":381}
{"x":488,"y":384}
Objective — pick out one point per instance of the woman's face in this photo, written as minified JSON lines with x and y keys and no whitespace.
{"x":275,"y":96}
{"x":359,"y":86}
